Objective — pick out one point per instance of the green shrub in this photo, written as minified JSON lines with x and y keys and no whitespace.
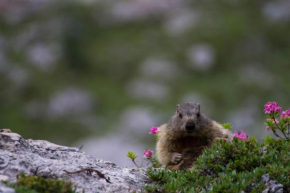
{"x":229,"y":167}
{"x":38,"y":184}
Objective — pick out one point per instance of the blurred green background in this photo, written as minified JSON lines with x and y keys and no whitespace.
{"x":101,"y":73}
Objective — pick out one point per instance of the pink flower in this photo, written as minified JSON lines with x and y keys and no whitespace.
{"x":154,"y":130}
{"x":268,"y":128}
{"x":272,"y":107}
{"x":285,"y":114}
{"x":148,"y":153}
{"x":242,"y":135}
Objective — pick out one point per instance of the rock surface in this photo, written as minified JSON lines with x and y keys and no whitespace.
{"x":272,"y":185}
{"x":38,"y":157}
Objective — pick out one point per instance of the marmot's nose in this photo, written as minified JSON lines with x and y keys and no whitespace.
{"x":190,"y":127}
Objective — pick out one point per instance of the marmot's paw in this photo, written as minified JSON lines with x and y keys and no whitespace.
{"x":176,"y":158}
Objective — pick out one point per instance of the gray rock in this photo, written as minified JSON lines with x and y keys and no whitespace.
{"x":272,"y":185}
{"x":266,"y":190}
{"x":277,"y":189}
{"x":38,"y":157}
{"x":266,"y":178}
{"x":5,"y":189}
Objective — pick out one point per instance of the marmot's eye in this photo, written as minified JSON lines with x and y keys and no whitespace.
{"x":180,"y":115}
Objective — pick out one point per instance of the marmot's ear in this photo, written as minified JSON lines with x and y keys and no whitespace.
{"x":177,"y":108}
{"x":198,"y":107}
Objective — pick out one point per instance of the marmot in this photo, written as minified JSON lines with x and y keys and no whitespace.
{"x":186,"y":135}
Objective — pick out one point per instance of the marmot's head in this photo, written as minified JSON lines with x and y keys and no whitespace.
{"x":189,"y":119}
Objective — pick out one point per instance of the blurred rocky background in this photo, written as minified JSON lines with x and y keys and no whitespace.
{"x":99,"y":74}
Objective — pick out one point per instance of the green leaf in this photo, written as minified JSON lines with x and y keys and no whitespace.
{"x":131,"y":155}
{"x":227,"y":125}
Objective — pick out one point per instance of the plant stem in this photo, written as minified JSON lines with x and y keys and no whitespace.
{"x":276,"y":134}
{"x":276,"y":123}
{"x":135,"y":163}
{"x":288,"y":129}
{"x":277,"y":128}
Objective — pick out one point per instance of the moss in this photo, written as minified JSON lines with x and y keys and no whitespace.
{"x":229,"y":167}
{"x":38,"y":184}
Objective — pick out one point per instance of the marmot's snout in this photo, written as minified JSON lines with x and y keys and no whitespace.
{"x":190,"y":126}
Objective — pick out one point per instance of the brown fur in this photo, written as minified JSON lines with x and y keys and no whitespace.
{"x":179,"y":145}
